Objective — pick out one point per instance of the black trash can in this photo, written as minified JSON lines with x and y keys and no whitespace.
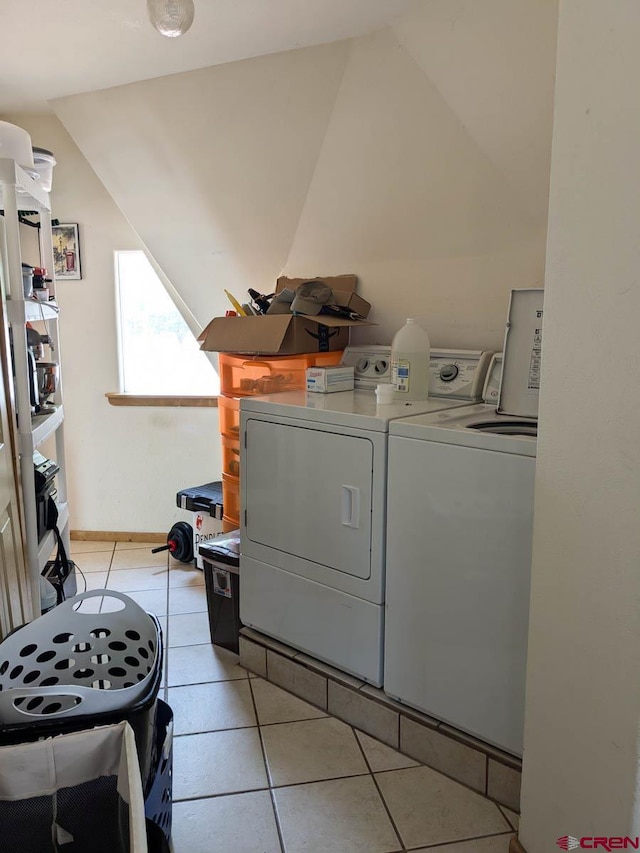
{"x":221,"y":566}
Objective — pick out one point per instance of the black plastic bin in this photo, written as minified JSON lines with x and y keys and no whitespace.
{"x":205,"y":498}
{"x":205,"y":502}
{"x":221,"y":559}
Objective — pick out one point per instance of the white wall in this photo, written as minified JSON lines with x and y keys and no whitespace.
{"x":493,"y":62}
{"x":405,"y":157}
{"x":125,"y":464}
{"x":583,"y":687}
{"x":406,"y":196}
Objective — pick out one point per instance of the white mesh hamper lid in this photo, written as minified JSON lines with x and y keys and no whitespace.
{"x":69,"y":662}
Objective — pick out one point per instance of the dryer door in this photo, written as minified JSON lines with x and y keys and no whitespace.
{"x":308,"y":493}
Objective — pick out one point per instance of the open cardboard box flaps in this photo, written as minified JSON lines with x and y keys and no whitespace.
{"x":286,"y":334}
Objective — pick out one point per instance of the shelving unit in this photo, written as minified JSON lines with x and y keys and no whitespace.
{"x":19,"y":192}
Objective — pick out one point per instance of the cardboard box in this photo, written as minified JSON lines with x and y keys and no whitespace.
{"x":326,"y":380}
{"x":286,"y":334}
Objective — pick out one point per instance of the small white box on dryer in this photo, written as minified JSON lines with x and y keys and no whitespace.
{"x":331,"y":378}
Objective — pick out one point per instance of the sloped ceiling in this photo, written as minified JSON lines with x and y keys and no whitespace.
{"x":416,"y":157}
{"x":54,"y":48}
{"x":212,"y":167}
{"x":493,"y":62}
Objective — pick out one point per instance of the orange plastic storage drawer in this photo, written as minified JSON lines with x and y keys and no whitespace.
{"x":229,"y":524}
{"x":231,"y":497}
{"x":246,"y":375}
{"x":230,"y":456}
{"x":229,"y":412}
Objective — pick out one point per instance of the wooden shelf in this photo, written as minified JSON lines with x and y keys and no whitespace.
{"x":157,"y":400}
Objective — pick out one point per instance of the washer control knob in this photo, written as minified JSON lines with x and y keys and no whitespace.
{"x":449,"y":372}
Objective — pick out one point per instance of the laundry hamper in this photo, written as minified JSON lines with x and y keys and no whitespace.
{"x":70,"y":670}
{"x":77,"y":793}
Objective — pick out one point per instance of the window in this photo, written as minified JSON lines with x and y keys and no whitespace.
{"x":158,"y":352}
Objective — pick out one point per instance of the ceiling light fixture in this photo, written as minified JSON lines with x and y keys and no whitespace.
{"x":171,"y":18}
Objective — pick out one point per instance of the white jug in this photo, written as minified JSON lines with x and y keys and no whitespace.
{"x":410,"y":358}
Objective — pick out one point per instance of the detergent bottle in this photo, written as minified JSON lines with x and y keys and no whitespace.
{"x":410,"y":358}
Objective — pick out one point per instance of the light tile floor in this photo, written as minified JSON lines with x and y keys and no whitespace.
{"x":257,"y":770}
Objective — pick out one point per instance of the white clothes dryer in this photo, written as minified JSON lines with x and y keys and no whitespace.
{"x":460,"y":522}
{"x":313,"y":485}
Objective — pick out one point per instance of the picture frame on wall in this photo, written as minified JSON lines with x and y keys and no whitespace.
{"x":66,"y":251}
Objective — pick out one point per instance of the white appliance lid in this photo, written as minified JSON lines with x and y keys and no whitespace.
{"x":461,"y":427}
{"x":356,"y":409}
{"x":456,"y":379}
{"x":520,"y":385}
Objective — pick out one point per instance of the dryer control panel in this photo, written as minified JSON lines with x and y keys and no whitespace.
{"x":371,"y":365}
{"x":459,"y":374}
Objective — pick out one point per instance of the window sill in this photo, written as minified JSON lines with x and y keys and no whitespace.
{"x":157,"y":400}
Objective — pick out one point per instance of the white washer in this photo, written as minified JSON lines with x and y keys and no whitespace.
{"x":313,"y":487}
{"x":460,"y":521}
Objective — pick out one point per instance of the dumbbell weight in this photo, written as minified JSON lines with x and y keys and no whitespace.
{"x":179,"y":542}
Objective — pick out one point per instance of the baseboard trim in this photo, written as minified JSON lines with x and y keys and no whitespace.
{"x":115,"y":536}
{"x":515,"y":846}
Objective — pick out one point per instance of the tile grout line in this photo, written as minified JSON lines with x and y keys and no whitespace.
{"x":447,"y":776}
{"x":279,"y":787}
{"x":486,"y":776}
{"x":106,"y":580}
{"x":266,"y":770}
{"x":200,"y":797}
{"x":262,"y":725}
{"x":189,"y":645}
{"x":444,"y":844}
{"x":466,"y":785}
{"x":506,"y":817}
{"x":84,"y":574}
{"x":282,"y":787}
{"x":113,"y":553}
{"x":377,"y":787}
{"x":214,"y":681}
